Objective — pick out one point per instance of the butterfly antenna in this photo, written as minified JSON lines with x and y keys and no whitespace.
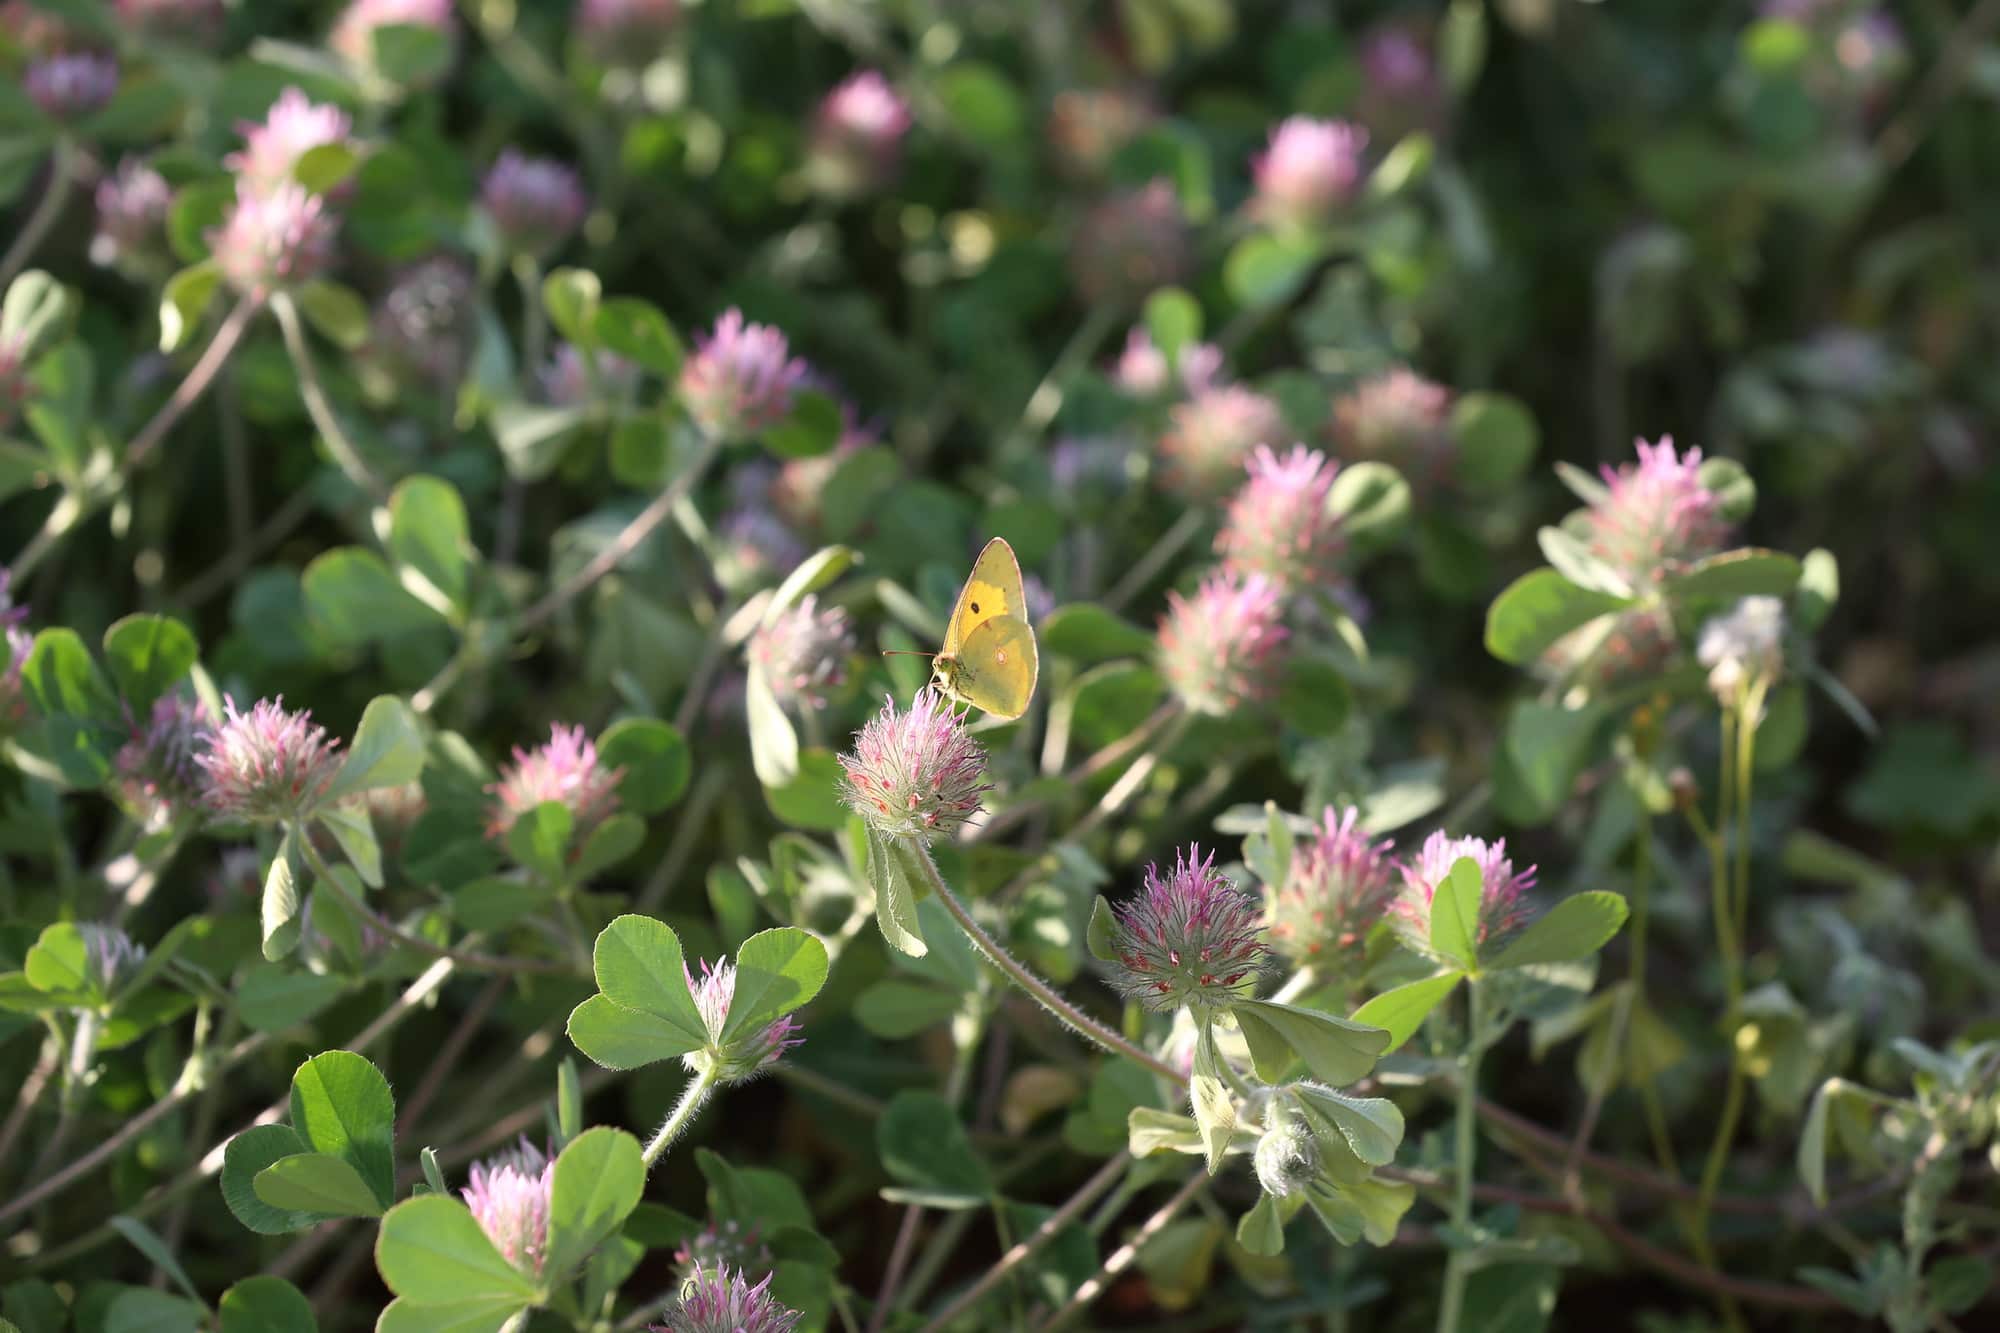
{"x":905,"y":652}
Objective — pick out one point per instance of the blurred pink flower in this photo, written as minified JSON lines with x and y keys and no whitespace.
{"x":1655,"y":514}
{"x":1341,"y":883}
{"x":268,"y":764}
{"x":293,"y":127}
{"x":273,"y":239}
{"x":1502,"y":905}
{"x":536,"y":203}
{"x":1279,"y":525}
{"x":1221,"y":648}
{"x":509,"y":1196}
{"x":1210,"y":437}
{"x":1309,"y":172}
{"x":740,"y":379}
{"x":564,"y":769}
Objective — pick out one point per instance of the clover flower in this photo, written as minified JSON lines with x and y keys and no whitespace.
{"x":732,"y":1058}
{"x":625,"y":32}
{"x":1656,"y":513}
{"x":1397,"y":417}
{"x":1143,"y":372}
{"x":740,"y":379}
{"x":70,"y":85}
{"x":269,"y":764}
{"x":1341,"y":882}
{"x":1286,"y":1158}
{"x":1400,"y":87}
{"x":132,"y":204}
{"x":916,"y":773}
{"x":725,"y":1244}
{"x":353,"y":34}
{"x":1210,"y":438}
{"x":1744,"y":644}
{"x":1220,"y":649}
{"x":293,"y":127}
{"x":564,"y":769}
{"x":110,"y":956}
{"x":1189,"y":938}
{"x":275,"y":239}
{"x":1309,"y":171}
{"x":1279,"y":525}
{"x":754,"y":546}
{"x":803,"y":653}
{"x":567,"y":380}
{"x":719,"y":1300}
{"x":536,"y":203}
{"x":1501,"y":905}
{"x":1130,"y":244}
{"x":509,"y":1195}
{"x":156,"y":770}
{"x":423,"y":325}
{"x":858,"y":134}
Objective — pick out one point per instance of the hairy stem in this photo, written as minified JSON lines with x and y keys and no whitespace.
{"x":1464,"y":1159}
{"x":693,"y":1098}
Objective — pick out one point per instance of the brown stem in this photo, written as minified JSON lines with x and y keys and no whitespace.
{"x":1121,"y":1258}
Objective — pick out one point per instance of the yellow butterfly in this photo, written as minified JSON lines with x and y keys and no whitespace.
{"x":989,"y":658}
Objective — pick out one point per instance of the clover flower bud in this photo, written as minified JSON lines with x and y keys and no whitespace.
{"x":564,"y":769}
{"x":132,"y":204}
{"x":509,"y":1196}
{"x":1340,"y":884}
{"x":1220,"y":649}
{"x":803,"y":653}
{"x":725,"y":1244}
{"x":1400,"y":418}
{"x":1279,"y":525}
{"x":1309,"y":172}
{"x":857,"y":135}
{"x":1210,"y":438}
{"x":110,"y":957}
{"x":1655,"y":514}
{"x":536,"y":203}
{"x":1744,"y":644}
{"x":423,"y":327}
{"x":71,"y":85}
{"x":1143,"y":372}
{"x":744,"y":1055}
{"x":353,"y":34}
{"x":740,"y":379}
{"x":1189,"y":938}
{"x":1400,"y":87}
{"x":1130,"y":244}
{"x":568,"y":379}
{"x":1501,"y":901}
{"x":268,"y":764}
{"x":720,"y":1300}
{"x":293,"y":127}
{"x":275,"y":239}
{"x":156,"y":770}
{"x":1287,"y":1155}
{"x":625,"y":33}
{"x":755,"y":547}
{"x":917,"y":773}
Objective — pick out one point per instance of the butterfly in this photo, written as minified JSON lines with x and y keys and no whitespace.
{"x":989,"y":659}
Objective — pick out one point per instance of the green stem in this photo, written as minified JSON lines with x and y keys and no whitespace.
{"x":318,"y":406}
{"x":55,"y":193}
{"x":1464,"y":1159}
{"x":693,"y":1098}
{"x":1067,"y":1013}
{"x":1156,"y":558}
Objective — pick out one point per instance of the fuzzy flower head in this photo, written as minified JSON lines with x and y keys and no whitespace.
{"x":1400,"y":87}
{"x":740,"y":379}
{"x":803,"y":653}
{"x":1129,"y":245}
{"x":269,"y":764}
{"x":509,"y":1196}
{"x":536,"y":203}
{"x":858,"y":135}
{"x":725,"y":1244}
{"x":719,"y":1300}
{"x":293,"y":127}
{"x":755,"y":547}
{"x":1656,"y":513}
{"x":1279,"y":525}
{"x":1210,"y":438}
{"x":568,"y":379}
{"x":156,"y":770}
{"x":1287,"y":1155}
{"x":71,"y":85}
{"x":353,"y":34}
{"x":625,"y":33}
{"x":1142,"y":370}
{"x":733,"y":1057}
{"x":564,"y":769}
{"x":423,"y":327}
{"x":1221,"y":648}
{"x":917,"y":773}
{"x":110,"y":957}
{"x":1502,"y":905}
{"x":1309,"y":172}
{"x":1190,"y":938}
{"x":1745,"y":644}
{"x":1340,"y":884}
{"x":1399,"y":418}
{"x":275,"y":239}
{"x":132,"y":204}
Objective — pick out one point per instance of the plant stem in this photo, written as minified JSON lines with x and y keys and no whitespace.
{"x":55,"y":193}
{"x":31,"y":1092}
{"x":1066,"y":1012}
{"x":1122,"y":1258}
{"x":318,"y":406}
{"x":693,"y":1098}
{"x":1046,"y":400}
{"x":1464,"y":1159}
{"x":1156,"y":558}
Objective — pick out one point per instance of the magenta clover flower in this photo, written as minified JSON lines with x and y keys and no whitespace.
{"x":733,"y":1058}
{"x":1502,"y":904}
{"x":1221,"y":648}
{"x":1279,"y":524}
{"x":719,"y":1300}
{"x":1655,"y":514}
{"x":803,"y":653}
{"x":509,"y":1196}
{"x":740,"y":379}
{"x":1340,"y":884}
{"x":916,"y":773}
{"x":1189,"y":938}
{"x":268,"y":764}
{"x":564,"y":769}
{"x":1309,"y":171}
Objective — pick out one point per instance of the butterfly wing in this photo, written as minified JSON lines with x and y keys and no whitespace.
{"x":993,"y":589}
{"x":998,"y":667}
